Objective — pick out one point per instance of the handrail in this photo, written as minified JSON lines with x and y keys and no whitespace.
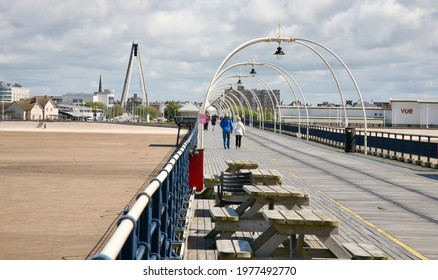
{"x":411,"y":148}
{"x":149,"y":229}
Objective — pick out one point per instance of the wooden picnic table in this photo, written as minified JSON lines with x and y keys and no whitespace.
{"x":265,"y":176}
{"x":286,"y":223}
{"x":237,"y":165}
{"x":245,"y":218}
{"x":261,"y":195}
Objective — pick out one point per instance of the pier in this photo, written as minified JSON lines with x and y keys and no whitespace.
{"x":389,"y":204}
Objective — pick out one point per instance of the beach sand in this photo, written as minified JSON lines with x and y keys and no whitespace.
{"x":63,"y":186}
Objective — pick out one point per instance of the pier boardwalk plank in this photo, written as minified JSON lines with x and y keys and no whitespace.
{"x":389,"y":204}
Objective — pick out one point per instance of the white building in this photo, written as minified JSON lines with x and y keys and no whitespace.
{"x":414,"y":112}
{"x":189,"y":110}
{"x":32,"y":109}
{"x":77,"y":98}
{"x":12,"y":92}
{"x":106,"y":97}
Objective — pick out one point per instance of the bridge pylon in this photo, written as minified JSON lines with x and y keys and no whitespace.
{"x":135,"y":53}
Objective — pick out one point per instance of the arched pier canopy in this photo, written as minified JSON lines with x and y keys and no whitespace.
{"x":322,"y":52}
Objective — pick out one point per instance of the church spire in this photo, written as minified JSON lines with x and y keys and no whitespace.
{"x":100,"y":83}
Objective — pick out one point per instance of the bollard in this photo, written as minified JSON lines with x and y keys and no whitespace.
{"x":350,"y":140}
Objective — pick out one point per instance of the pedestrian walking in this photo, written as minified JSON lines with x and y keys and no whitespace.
{"x":227,"y":128}
{"x":207,"y":117}
{"x":213,"y":122}
{"x":239,"y":130}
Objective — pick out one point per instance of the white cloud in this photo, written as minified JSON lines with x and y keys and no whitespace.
{"x":63,"y":46}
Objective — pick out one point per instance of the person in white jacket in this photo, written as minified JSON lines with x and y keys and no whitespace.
{"x":239,"y":130}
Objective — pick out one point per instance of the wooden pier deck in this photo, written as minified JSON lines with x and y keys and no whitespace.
{"x":389,"y":204}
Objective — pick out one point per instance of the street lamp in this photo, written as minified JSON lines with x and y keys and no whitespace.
{"x":279,"y":53}
{"x":253,"y":72}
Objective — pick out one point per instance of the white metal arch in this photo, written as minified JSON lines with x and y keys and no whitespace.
{"x":279,"y":40}
{"x":255,"y":98}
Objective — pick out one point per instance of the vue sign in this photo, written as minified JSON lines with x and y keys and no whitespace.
{"x":407,"y":111}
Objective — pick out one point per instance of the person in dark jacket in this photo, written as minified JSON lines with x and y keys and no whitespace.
{"x":213,"y":122}
{"x":227,"y":128}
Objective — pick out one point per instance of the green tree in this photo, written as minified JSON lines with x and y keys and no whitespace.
{"x":171,"y":110}
{"x":153,"y":112}
{"x":140,"y":111}
{"x":99,"y":105}
{"x":117,"y":110}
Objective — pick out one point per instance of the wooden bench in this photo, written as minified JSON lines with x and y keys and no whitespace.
{"x":284,"y":223}
{"x":265,"y":176}
{"x":227,"y":222}
{"x":237,"y":165}
{"x":210,"y":181}
{"x":362,"y":251}
{"x":233,"y":249}
{"x":223,"y":214}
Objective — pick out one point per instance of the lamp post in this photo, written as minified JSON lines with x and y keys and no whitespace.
{"x":427,"y":115}
{"x":3,"y":107}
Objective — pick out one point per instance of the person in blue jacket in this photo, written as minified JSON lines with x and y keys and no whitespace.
{"x":227,"y":128}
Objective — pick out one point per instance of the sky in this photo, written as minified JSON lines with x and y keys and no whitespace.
{"x":390,"y":47}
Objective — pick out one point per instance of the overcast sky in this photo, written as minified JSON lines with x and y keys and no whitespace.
{"x":54,"y":47}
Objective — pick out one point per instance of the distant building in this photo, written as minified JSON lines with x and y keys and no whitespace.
{"x":414,"y":112}
{"x":32,"y":109}
{"x":76,"y":98}
{"x":255,"y":96}
{"x":106,"y":97}
{"x":12,"y":92}
{"x":189,"y":110}
{"x":50,"y":108}
{"x":80,"y":113}
{"x":25,"y":110}
{"x":102,"y":96}
{"x":133,"y":103}
{"x":332,"y":115}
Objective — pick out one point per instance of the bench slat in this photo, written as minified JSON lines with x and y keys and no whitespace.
{"x":328,"y":218}
{"x":224,"y":214}
{"x":243,"y":249}
{"x":309,"y":217}
{"x":233,"y":249}
{"x":356,"y":251}
{"x":225,"y":249}
{"x":217,"y":214}
{"x":274,"y":217}
{"x":231,"y":214}
{"x":295,"y":192}
{"x":373,"y":251}
{"x":292,"y":217}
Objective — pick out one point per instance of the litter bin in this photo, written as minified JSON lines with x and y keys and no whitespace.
{"x":350,"y":140}
{"x":196,"y":169}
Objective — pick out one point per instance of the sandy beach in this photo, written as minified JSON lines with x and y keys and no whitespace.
{"x":63,"y":186}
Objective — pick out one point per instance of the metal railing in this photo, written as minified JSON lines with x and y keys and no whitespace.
{"x":411,"y":148}
{"x":152,"y":228}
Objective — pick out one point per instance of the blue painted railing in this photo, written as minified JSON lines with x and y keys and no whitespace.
{"x":152,"y":228}
{"x":400,"y":145}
